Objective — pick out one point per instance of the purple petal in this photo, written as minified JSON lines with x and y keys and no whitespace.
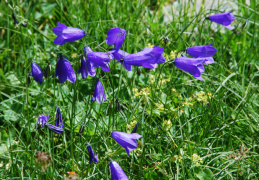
{"x":209,"y":60}
{"x":229,"y":27}
{"x":42,"y":120}
{"x":64,"y":71}
{"x":148,"y":57}
{"x":117,"y":172}
{"x":99,"y":94}
{"x":36,"y":72}
{"x":59,"y":40}
{"x":87,"y":49}
{"x":91,"y":154}
{"x":59,"y":121}
{"x":67,"y":34}
{"x":100,"y":59}
{"x":116,"y":37}
{"x":201,"y":51}
{"x":191,"y":65}
{"x":223,"y":18}
{"x":96,"y":160}
{"x":82,"y":69}
{"x":126,"y":140}
{"x":55,"y":129}
{"x":120,"y":55}
{"x":62,"y":25}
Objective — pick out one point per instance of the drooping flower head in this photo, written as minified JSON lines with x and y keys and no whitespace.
{"x":148,"y":57}
{"x":64,"y":70}
{"x":224,"y":19}
{"x":92,"y":155}
{"x":126,"y":140}
{"x":97,"y":59}
{"x":99,"y":94}
{"x":55,"y":129}
{"x":201,"y":51}
{"x":67,"y":34}
{"x":59,"y":121}
{"x":120,"y":55}
{"x":193,"y":66}
{"x":36,"y":72}
{"x":116,"y":36}
{"x":117,"y":172}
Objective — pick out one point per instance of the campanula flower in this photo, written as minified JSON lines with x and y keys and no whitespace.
{"x":67,"y":34}
{"x":64,"y":70}
{"x":99,"y":95}
{"x":201,"y":51}
{"x":117,"y":172}
{"x":36,"y":72}
{"x":224,"y":19}
{"x":193,"y":66}
{"x":148,"y":57}
{"x":126,"y":140}
{"x":92,"y":156}
{"x":116,"y":36}
{"x":59,"y":121}
{"x":120,"y":55}
{"x":97,"y":59}
{"x":43,"y":121}
{"x":86,"y":68}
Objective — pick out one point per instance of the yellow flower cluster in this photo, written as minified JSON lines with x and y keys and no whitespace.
{"x":150,"y":45}
{"x":196,"y":159}
{"x":131,"y":125}
{"x":161,"y":81}
{"x":203,"y":97}
{"x":143,"y":91}
{"x":177,"y":158}
{"x":174,"y":54}
{"x":167,"y":125}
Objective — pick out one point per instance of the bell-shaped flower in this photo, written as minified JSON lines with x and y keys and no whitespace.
{"x":36,"y":72}
{"x":201,"y":51}
{"x":59,"y":121}
{"x":126,"y":140}
{"x":92,"y":155}
{"x":148,"y":57}
{"x":117,"y":172}
{"x":119,"y":55}
{"x":67,"y":34}
{"x":193,"y":66}
{"x":97,"y":59}
{"x":99,"y":94}
{"x":116,"y":36}
{"x":43,"y":121}
{"x":64,"y":70}
{"x":224,"y":19}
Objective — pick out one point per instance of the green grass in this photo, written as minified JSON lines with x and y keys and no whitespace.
{"x":176,"y":121}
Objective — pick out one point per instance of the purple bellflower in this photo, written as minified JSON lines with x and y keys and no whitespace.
{"x":43,"y":121}
{"x":126,"y":140}
{"x":224,"y":19}
{"x":59,"y":121}
{"x":201,"y":51}
{"x":116,"y":36}
{"x":64,"y":70}
{"x":67,"y":34}
{"x":120,"y":55}
{"x":99,"y":95}
{"x":97,"y":59}
{"x":117,"y":172}
{"x":36,"y":72}
{"x":148,"y":57}
{"x":193,"y":66}
{"x":92,"y":156}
